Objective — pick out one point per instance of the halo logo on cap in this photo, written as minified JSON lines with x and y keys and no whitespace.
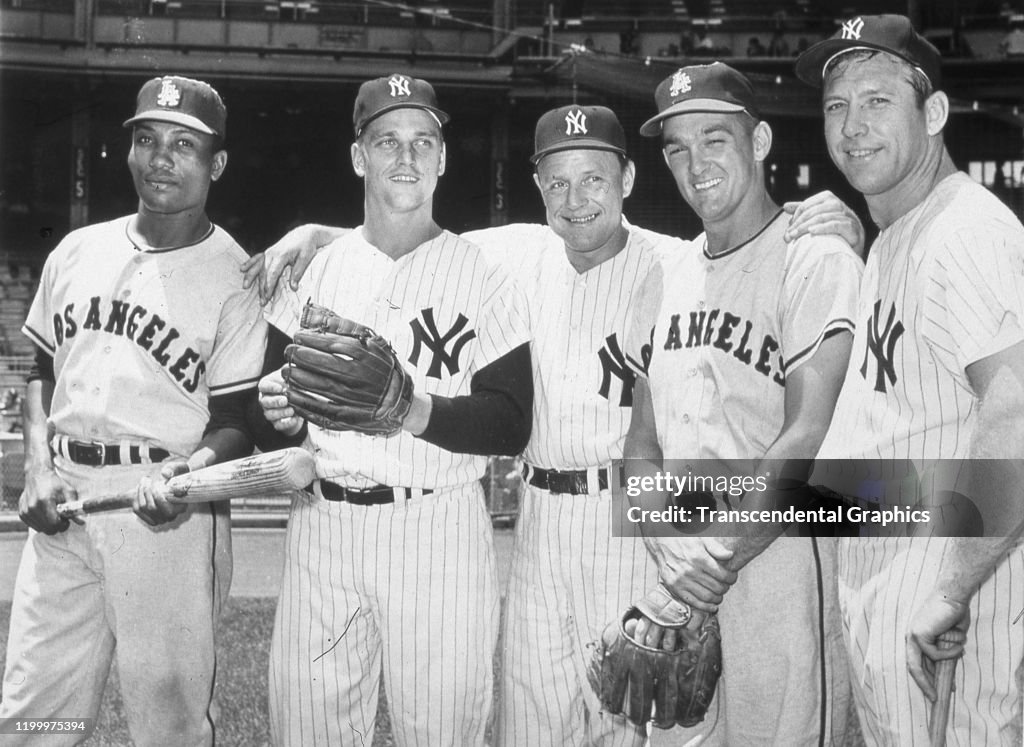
{"x":852,"y":29}
{"x":399,"y":86}
{"x":681,"y":83}
{"x":576,"y":123}
{"x":169,"y":95}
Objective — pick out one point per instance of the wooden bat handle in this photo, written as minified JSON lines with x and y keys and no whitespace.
{"x":94,"y":505}
{"x":944,"y":671}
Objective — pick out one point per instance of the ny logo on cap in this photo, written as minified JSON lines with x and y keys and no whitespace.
{"x":169,"y":94}
{"x":399,"y":85}
{"x":576,"y":123}
{"x":681,"y":83}
{"x":852,"y":29}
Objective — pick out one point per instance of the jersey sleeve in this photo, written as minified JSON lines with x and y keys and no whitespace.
{"x":505,"y":321}
{"x":974,"y":292}
{"x":642,"y":320}
{"x":508,"y":244}
{"x":38,"y":326}
{"x":819,"y":296}
{"x":239,"y":345}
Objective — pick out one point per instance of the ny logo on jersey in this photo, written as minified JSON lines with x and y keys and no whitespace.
{"x":576,"y":123}
{"x":882,"y":344}
{"x":169,"y":94}
{"x":436,"y":343}
{"x":613,"y":362}
{"x":852,"y":29}
{"x":681,"y":83}
{"x":399,"y":85}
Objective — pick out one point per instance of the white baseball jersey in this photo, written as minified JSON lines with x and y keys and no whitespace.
{"x":445,"y":310}
{"x":582,"y":386}
{"x":943,"y":288}
{"x":408,"y":588}
{"x":141,"y":337}
{"x":570,"y":577}
{"x":727,"y":331}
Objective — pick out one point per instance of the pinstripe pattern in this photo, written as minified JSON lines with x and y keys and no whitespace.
{"x":408,"y":589}
{"x":951,"y":271}
{"x":569,"y":579}
{"x":422,"y":608}
{"x":190,"y":297}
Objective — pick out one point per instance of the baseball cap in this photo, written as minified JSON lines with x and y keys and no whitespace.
{"x":183,"y":101}
{"x":576,"y":127}
{"x":701,"y":88}
{"x":886,"y":33}
{"x":396,"y":91}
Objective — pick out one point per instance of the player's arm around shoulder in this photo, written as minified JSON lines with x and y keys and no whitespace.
{"x":288,"y":258}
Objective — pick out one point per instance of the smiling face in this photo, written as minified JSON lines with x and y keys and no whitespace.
{"x":715,"y":159}
{"x":879,"y":132}
{"x":400,"y":156}
{"x":583,"y":192}
{"x":172,"y":167}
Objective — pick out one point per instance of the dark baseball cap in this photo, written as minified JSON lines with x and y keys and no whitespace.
{"x":183,"y":101}
{"x":887,"y":33}
{"x":396,"y":91}
{"x":575,"y":127}
{"x":701,"y":88}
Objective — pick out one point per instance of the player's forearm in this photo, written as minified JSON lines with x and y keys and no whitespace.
{"x":35,"y":409}
{"x":220,"y":445}
{"x":494,"y":419}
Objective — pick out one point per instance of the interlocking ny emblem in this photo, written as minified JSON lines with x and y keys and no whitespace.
{"x":613,"y":362}
{"x":681,"y":83}
{"x":169,"y":94}
{"x":852,"y":29}
{"x":399,"y":85}
{"x":882,"y":344}
{"x":436,"y":343}
{"x":576,"y":123}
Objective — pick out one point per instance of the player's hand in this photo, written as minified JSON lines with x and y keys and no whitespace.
{"x":824,"y":213}
{"x":37,"y":505}
{"x":937,"y":615}
{"x":693,"y":569}
{"x":150,"y":503}
{"x":645,"y":631}
{"x":275,"y":405}
{"x":292,"y":253}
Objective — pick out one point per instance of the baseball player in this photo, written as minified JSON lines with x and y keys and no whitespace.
{"x":147,"y":346}
{"x":935,"y":373}
{"x":750,"y":336}
{"x":390,"y":561}
{"x":581,"y":273}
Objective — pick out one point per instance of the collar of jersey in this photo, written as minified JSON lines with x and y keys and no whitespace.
{"x":729,"y":252}
{"x":150,"y":250}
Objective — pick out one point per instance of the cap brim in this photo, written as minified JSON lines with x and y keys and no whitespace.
{"x":441,"y":116}
{"x":652,"y":127}
{"x":159,"y":115}
{"x":580,"y":144}
{"x":810,"y":66}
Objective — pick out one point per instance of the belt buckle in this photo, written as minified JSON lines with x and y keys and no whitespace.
{"x":101,"y":450}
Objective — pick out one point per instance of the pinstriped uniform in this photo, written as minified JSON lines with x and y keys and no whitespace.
{"x":569,"y":576}
{"x":140,"y":339}
{"x":943,"y":288}
{"x":728,"y":329}
{"x":410,"y":586}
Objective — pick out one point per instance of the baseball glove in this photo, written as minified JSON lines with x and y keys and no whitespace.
{"x":343,"y":376}
{"x":637,"y":681}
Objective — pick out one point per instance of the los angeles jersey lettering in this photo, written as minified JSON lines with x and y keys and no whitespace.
{"x":943,"y":288}
{"x":729,"y":328}
{"x":168,"y":328}
{"x":582,"y":383}
{"x":444,"y":309}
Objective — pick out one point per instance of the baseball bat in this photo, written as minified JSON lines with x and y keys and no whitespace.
{"x":944,"y":671}
{"x":262,"y":474}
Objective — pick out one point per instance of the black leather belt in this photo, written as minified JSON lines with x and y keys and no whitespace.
{"x":96,"y":454}
{"x":573,"y":482}
{"x":375,"y":496}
